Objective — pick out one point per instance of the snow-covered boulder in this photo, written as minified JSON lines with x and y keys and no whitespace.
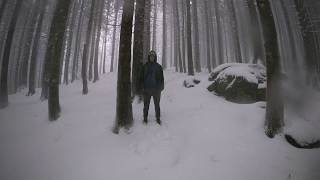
{"x":190,"y":82}
{"x":240,"y":83}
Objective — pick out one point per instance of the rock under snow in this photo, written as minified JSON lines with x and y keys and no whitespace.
{"x":240,"y":83}
{"x":190,"y":82}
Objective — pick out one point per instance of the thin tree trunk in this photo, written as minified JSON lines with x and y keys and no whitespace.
{"x":207,"y":35}
{"x":235,"y":32}
{"x":164,"y":35}
{"x":196,"y":36}
{"x":34,"y":55}
{"x":116,"y":10}
{"x":189,"y":40}
{"x":138,"y":45}
{"x":6,"y":56}
{"x":147,"y":36}
{"x":219,"y":32}
{"x":96,"y":56}
{"x":154,"y":32}
{"x":86,"y":48}
{"x":78,"y":43}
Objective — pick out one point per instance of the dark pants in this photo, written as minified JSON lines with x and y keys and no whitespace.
{"x":156,"y":99}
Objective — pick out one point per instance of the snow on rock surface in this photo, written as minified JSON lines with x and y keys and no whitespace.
{"x":202,"y":137}
{"x":241,"y":83}
{"x":190,"y":82}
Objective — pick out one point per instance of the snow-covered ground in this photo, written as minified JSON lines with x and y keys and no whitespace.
{"x":203,"y":137}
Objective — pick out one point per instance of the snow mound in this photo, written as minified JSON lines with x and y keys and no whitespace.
{"x":190,"y":82}
{"x":240,"y":83}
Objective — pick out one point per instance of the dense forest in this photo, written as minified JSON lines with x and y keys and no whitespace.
{"x":264,"y":53}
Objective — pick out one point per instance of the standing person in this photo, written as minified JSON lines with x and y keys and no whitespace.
{"x":152,"y":83}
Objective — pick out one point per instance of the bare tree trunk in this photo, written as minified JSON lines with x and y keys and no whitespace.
{"x":138,"y":45}
{"x":164,"y":35}
{"x":96,"y":56}
{"x":235,"y":31}
{"x":147,"y":36}
{"x":86,"y":48}
{"x":154,"y":31}
{"x":6,"y":55}
{"x":189,"y":40}
{"x":196,"y":46}
{"x":34,"y":55}
{"x":208,"y":36}
{"x":124,"y":107}
{"x":274,"y":111}
{"x":72,"y":22}
{"x":54,"y":54}
{"x":78,"y":42}
{"x":116,"y":10}
{"x":177,"y":36}
{"x":219,"y":32}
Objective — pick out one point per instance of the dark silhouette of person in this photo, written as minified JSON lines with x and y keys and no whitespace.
{"x":152,"y":83}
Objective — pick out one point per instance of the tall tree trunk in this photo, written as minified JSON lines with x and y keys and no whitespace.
{"x":86,"y":49}
{"x":257,"y":39}
{"x":274,"y":110}
{"x":124,"y":107}
{"x":189,"y":40}
{"x":154,"y":32}
{"x":177,"y":36}
{"x":93,"y":40}
{"x":164,"y":35}
{"x":106,"y":36}
{"x":196,"y":46}
{"x":219,"y":32}
{"x":235,"y":31}
{"x":96,"y":56}
{"x":138,"y":45}
{"x":54,"y":54}
{"x":6,"y":56}
{"x":183,"y":32}
{"x":78,"y":42}
{"x":34,"y":56}
{"x":72,"y":22}
{"x":116,"y":10}
{"x":147,"y":36}
{"x":207,"y":35}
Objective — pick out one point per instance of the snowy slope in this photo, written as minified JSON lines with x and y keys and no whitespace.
{"x":203,"y":137}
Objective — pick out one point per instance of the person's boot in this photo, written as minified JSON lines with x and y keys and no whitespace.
{"x":159,"y":121}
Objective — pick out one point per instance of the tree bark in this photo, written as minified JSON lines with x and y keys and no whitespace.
{"x":116,"y":10}
{"x":196,"y":46}
{"x":138,"y":45}
{"x":164,"y":35}
{"x":189,"y":40}
{"x":124,"y":107}
{"x":274,"y":110}
{"x":6,"y":56}
{"x":54,"y":54}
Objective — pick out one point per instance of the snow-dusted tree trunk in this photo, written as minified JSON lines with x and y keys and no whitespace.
{"x":274,"y":110}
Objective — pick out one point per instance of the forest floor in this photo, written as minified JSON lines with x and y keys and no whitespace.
{"x":203,"y":137}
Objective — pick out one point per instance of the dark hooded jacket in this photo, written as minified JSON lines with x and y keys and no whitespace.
{"x":151,"y":78}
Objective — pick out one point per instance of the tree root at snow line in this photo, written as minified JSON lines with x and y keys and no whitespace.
{"x":294,"y":143}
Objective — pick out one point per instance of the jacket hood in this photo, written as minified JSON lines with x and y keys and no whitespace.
{"x":152,"y":53}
